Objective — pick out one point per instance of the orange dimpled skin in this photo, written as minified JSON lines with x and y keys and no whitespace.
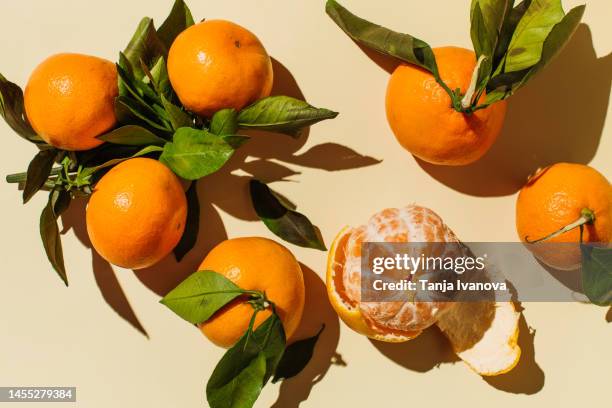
{"x":554,"y":198}
{"x":217,"y":64}
{"x":136,"y":214}
{"x":420,"y":114}
{"x":69,"y":100}
{"x":255,"y":264}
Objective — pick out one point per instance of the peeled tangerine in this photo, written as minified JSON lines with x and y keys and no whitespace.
{"x":483,"y":334}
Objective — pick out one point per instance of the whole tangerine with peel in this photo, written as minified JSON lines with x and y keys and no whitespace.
{"x":218,"y":64}
{"x":423,"y":120}
{"x":483,"y":334}
{"x":136,"y":214}
{"x":564,"y":203}
{"x":69,"y":100}
{"x":255,"y":263}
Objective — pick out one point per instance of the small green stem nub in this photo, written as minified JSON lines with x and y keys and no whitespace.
{"x":587,"y":216}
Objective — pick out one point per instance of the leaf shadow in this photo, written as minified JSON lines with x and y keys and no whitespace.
{"x":110,"y":288}
{"x":318,"y":311}
{"x":559,"y":117}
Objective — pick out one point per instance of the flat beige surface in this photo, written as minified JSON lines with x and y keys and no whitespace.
{"x":84,"y":336}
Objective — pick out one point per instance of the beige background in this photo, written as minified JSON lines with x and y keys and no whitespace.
{"x":90,"y":335}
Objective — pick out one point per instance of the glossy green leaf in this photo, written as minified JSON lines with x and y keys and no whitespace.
{"x":112,"y":162}
{"x":513,"y":16}
{"x":199,"y":296}
{"x":13,"y":111}
{"x":161,"y":80}
{"x":296,"y":357}
{"x":557,"y":39}
{"x":525,"y":49}
{"x":38,"y":172}
{"x":132,"y":135}
{"x":487,"y":18}
{"x":597,"y":274}
{"x":282,"y":114}
{"x":192,"y":225}
{"x":129,"y":112}
{"x":59,"y":201}
{"x":145,"y":45}
{"x":194,"y":153}
{"x":403,"y":46}
{"x":239,"y":377}
{"x":177,"y":21}
{"x":224,"y":122}
{"x":178,"y":117}
{"x":286,"y":223}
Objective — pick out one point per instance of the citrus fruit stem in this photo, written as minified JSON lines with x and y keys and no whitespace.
{"x":587,"y":216}
{"x":466,"y":102}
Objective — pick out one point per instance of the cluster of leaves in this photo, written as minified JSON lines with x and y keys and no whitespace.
{"x":512,"y":43}
{"x":153,"y":123}
{"x":259,"y":355}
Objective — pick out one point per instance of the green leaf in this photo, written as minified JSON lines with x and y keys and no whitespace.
{"x":597,"y":274}
{"x":525,"y":49}
{"x":296,"y":357}
{"x":513,"y":16}
{"x":13,"y":111}
{"x":235,"y":383}
{"x":88,"y":171}
{"x":282,"y":114}
{"x":192,"y":225}
{"x":286,"y":223}
{"x":487,"y":18}
{"x":224,"y":122}
{"x":38,"y":172}
{"x":130,"y":112}
{"x":199,"y":296}
{"x":145,"y":45}
{"x":177,"y":21}
{"x":132,"y":135}
{"x":505,"y":85}
{"x":59,"y":201}
{"x":178,"y":117}
{"x":195,"y":153}
{"x":557,"y":39}
{"x":403,"y":46}
{"x":161,"y":80}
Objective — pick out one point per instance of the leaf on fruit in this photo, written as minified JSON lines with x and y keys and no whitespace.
{"x":597,"y":274}
{"x":13,"y":111}
{"x":525,"y":49}
{"x":403,"y":46}
{"x":177,"y":21}
{"x":145,"y":46}
{"x":296,"y":357}
{"x":192,"y":225}
{"x":487,"y":19}
{"x":38,"y":172}
{"x":283,"y":221}
{"x":132,"y":135}
{"x":178,"y":117}
{"x":58,"y":202}
{"x":224,"y":122}
{"x":282,"y":114}
{"x":238,"y":378}
{"x":195,"y":153}
{"x":199,"y":296}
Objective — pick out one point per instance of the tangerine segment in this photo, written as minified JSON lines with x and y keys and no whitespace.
{"x":421,"y":116}
{"x":218,"y":64}
{"x":136,"y":214}
{"x":69,"y":100}
{"x":255,"y":264}
{"x":398,"y":321}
